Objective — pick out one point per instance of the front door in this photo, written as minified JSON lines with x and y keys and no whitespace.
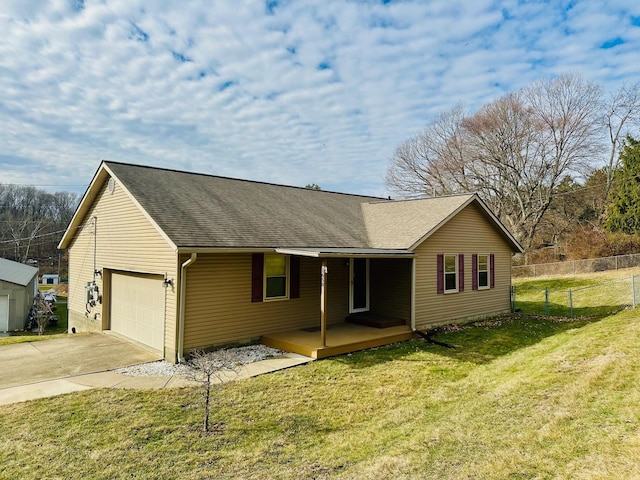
{"x":359,"y":291}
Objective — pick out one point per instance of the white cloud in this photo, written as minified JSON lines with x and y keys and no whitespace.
{"x":318,"y":91}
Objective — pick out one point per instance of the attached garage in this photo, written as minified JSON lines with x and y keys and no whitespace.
{"x":137,"y":305}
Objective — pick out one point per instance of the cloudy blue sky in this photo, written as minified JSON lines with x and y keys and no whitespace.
{"x":290,"y":92}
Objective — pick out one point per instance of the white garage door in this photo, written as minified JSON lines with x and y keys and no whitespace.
{"x":4,"y":313}
{"x":137,"y":308}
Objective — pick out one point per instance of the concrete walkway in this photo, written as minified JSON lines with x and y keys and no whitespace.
{"x":80,"y":362}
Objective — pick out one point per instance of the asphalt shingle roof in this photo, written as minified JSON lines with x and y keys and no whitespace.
{"x":196,"y":210}
{"x":401,"y":224}
{"x":204,"y":211}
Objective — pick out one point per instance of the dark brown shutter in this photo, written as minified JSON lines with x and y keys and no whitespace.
{"x":294,"y":271}
{"x":257,"y":276}
{"x":492,"y":273}
{"x":460,"y":272}
{"x":474,"y":271}
{"x":440,"y":273}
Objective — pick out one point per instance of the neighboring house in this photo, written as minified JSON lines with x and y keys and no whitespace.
{"x":178,"y":261}
{"x":50,"y":279}
{"x":18,"y":286}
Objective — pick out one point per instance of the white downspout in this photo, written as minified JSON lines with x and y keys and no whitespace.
{"x":183,"y":302}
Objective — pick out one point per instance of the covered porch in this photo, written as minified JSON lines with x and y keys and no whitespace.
{"x":377,"y":285}
{"x":340,"y":338}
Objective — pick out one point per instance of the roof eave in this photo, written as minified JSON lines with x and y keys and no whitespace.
{"x":89,"y":198}
{"x":346,"y":252}
{"x":442,"y":222}
{"x":516,"y":247}
{"x":22,"y":278}
{"x":85,"y":204}
{"x":330,"y":252}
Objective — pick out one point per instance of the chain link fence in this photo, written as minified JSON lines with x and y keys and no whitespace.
{"x":597,"y":299}
{"x":571,"y":267}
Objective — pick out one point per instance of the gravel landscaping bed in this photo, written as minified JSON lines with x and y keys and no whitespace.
{"x":246,"y":354}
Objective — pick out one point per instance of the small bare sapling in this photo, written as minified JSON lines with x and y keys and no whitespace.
{"x":211,"y":369}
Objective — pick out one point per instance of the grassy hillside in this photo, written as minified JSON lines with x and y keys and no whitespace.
{"x":517,"y":398}
{"x":596,"y":293}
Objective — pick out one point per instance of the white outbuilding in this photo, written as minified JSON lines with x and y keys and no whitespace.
{"x":18,"y":286}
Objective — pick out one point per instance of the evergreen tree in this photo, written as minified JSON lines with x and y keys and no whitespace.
{"x":623,"y":211}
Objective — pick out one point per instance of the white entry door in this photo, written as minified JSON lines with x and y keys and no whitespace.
{"x":359,"y":285}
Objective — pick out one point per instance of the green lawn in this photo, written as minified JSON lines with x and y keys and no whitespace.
{"x":598,"y":293}
{"x":518,"y":398}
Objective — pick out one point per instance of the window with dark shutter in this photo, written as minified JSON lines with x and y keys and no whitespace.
{"x":440,"y":280}
{"x":276,"y":270}
{"x":257,"y":275}
{"x":274,"y":277}
{"x":449,"y":273}
{"x":294,"y":268}
{"x":483,"y":271}
{"x":474,"y":271}
{"x":492,"y":274}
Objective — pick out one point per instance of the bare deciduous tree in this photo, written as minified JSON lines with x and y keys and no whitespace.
{"x":42,"y":313}
{"x":504,"y":147}
{"x":513,"y":152}
{"x":432,"y":162}
{"x":211,"y":369}
{"x":621,"y":113}
{"x":23,"y":232}
{"x":567,"y":108}
{"x":32,"y":221}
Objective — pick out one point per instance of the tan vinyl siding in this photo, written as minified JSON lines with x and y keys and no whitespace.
{"x":390,"y":281}
{"x":467,"y":233}
{"x":126,"y":241}
{"x":337,"y":290}
{"x":219,"y":309}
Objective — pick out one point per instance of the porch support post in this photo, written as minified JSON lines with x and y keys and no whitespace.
{"x":323,"y":303}
{"x":413,"y":293}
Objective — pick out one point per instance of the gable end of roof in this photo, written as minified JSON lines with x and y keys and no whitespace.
{"x":489,"y":215}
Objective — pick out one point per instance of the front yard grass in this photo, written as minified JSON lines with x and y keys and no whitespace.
{"x":519,"y":397}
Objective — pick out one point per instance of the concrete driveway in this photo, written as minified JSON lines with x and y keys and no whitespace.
{"x":56,"y":365}
{"x":79,"y":362}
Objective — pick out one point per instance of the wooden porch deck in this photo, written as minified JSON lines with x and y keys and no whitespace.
{"x":341,"y":338}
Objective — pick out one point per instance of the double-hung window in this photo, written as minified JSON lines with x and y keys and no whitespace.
{"x":450,"y":273}
{"x":276,"y":277}
{"x":483,"y":271}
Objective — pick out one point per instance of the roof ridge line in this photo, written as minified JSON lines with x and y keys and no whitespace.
{"x":222,"y":177}
{"x":416,"y":199}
